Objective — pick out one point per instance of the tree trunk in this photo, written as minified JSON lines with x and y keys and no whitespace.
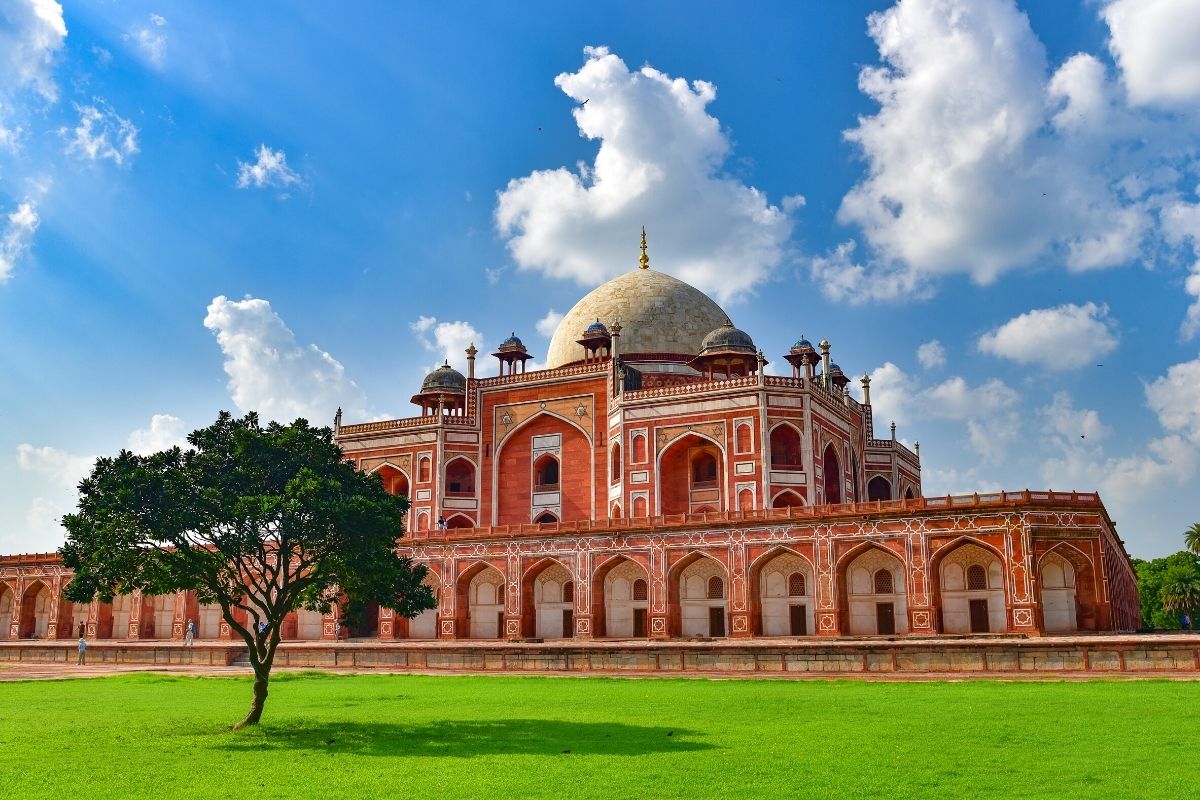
{"x":260,"y":700}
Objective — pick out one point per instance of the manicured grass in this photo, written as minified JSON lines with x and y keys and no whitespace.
{"x":472,"y":737}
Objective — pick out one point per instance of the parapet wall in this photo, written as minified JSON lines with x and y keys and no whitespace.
{"x":1096,"y":656}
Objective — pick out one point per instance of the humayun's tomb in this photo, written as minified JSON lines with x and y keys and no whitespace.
{"x":653,"y":481}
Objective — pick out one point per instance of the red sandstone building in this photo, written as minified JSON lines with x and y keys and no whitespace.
{"x":653,"y":481}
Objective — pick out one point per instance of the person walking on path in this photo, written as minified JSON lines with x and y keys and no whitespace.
{"x":82,"y":651}
{"x":189,"y":633}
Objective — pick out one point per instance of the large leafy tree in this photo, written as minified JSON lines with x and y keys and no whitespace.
{"x":259,"y":520}
{"x":1154,"y":577}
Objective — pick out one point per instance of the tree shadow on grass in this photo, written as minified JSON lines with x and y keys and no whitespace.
{"x":467,"y":738}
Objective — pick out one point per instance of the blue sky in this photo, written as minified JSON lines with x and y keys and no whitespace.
{"x":290,"y":207}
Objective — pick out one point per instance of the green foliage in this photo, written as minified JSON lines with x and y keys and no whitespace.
{"x":259,"y":520}
{"x":1191,"y":538}
{"x":453,"y":737}
{"x":1177,"y":570}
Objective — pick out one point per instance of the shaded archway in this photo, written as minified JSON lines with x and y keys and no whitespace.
{"x":873,"y":585}
{"x":785,"y":448}
{"x":614,"y":466}
{"x":481,"y":602}
{"x":548,"y":595}
{"x":459,"y":521}
{"x":783,"y":586}
{"x":621,"y":599}
{"x":35,"y":611}
{"x":545,"y":518}
{"x":8,"y":600}
{"x":787,"y":499}
{"x":832,"y":476}
{"x":690,"y":476}
{"x":545,"y":474}
{"x":971,"y":589}
{"x":394,"y":480}
{"x":879,"y":488}
{"x":536,"y":443}
{"x":209,"y":618}
{"x":697,"y":591}
{"x":908,"y":494}
{"x":460,"y":478}
{"x":122,"y":607}
{"x":1059,"y":582}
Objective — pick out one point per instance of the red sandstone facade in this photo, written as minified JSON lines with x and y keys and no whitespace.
{"x":658,"y":490}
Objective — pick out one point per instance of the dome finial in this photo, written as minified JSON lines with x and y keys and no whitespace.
{"x":644,"y":261}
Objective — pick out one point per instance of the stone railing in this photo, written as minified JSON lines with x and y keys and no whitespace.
{"x":599,"y":367}
{"x":997,"y":500}
{"x":699,"y":387}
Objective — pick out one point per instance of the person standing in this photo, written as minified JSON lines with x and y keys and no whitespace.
{"x":189,"y":633}
{"x":82,"y":651}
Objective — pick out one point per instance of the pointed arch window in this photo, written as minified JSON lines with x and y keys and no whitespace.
{"x":883,"y":582}
{"x":796,"y":585}
{"x":716,"y":588}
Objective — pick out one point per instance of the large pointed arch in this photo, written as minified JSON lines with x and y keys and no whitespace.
{"x":953,"y":598}
{"x":782,"y":613}
{"x":832,"y":480}
{"x":577,"y":500}
{"x":674,"y":491}
{"x":689,"y":607}
{"x":545,"y":618}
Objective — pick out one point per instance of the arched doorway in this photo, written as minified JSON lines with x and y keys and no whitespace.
{"x":701,"y":588}
{"x":460,"y":478}
{"x":1059,"y":602}
{"x":459,"y":521}
{"x":832,"y":472}
{"x":875,"y":594}
{"x":394,"y":480}
{"x":7,"y":601}
{"x":690,"y":476}
{"x":626,"y":601}
{"x":787,"y":499}
{"x":785,"y":449}
{"x":545,"y":474}
{"x":164,"y":616}
{"x":208,"y":624}
{"x":424,"y":625}
{"x":972,"y":591}
{"x":122,"y":605}
{"x":35,"y":611}
{"x":878,"y":488}
{"x":549,"y":593}
{"x":785,"y":585}
{"x":485,"y":604}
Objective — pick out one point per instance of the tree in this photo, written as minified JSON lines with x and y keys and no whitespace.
{"x":259,"y":520}
{"x":1191,"y":538}
{"x":1153,"y":575}
{"x":1182,"y":594}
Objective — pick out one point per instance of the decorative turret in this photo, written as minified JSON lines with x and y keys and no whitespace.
{"x":512,"y":351}
{"x":728,"y":351}
{"x":444,"y":389}
{"x":803,"y":357}
{"x":472,"y":351}
{"x":596,"y":341}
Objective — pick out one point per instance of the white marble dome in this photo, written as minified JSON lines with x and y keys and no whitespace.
{"x":658,"y":314}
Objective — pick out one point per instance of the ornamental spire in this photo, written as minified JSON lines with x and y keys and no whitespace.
{"x":644,"y":261}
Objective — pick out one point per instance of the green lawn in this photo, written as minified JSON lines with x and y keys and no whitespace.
{"x":447,"y":737}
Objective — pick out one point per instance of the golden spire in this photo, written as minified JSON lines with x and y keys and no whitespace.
{"x":644,"y":261}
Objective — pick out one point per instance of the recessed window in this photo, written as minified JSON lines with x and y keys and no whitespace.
{"x":883,"y":582}
{"x":796,"y":585}
{"x":976,"y":578}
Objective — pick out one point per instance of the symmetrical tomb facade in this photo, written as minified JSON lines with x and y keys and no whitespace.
{"x":653,"y":481}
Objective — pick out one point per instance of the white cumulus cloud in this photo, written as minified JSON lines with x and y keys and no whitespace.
{"x":270,"y":169}
{"x":62,"y":468}
{"x":271,"y":373}
{"x":660,"y":150}
{"x":988,"y":411}
{"x":164,"y":432}
{"x":932,"y":355}
{"x":982,"y":159}
{"x":449,"y":340}
{"x":1059,"y":338}
{"x":1155,"y":43}
{"x":548,"y":324}
{"x":16,"y":237}
{"x":101,"y":134}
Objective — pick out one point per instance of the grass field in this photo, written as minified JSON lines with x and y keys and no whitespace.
{"x":448,"y":737}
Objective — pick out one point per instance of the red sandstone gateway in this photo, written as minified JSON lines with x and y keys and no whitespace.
{"x":652,"y":481}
